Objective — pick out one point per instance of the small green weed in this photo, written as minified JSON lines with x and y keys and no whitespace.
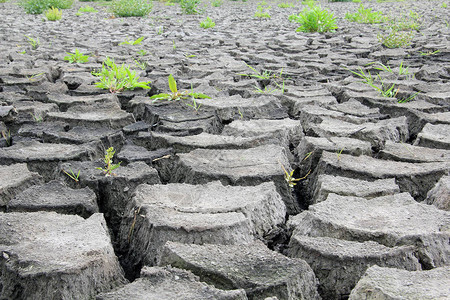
{"x":87,"y":9}
{"x":285,"y":5}
{"x":262,"y":10}
{"x":131,"y":8}
{"x":410,"y":21}
{"x":53,"y":14}
{"x":217,"y":3}
{"x":7,"y":137}
{"x":109,"y":165}
{"x":133,"y":43}
{"x":76,"y":57}
{"x":444,"y":5}
{"x":208,"y":23}
{"x":366,"y":16}
{"x":276,"y":79}
{"x":72,"y":175}
{"x":34,"y":43}
{"x":314,"y":19}
{"x":177,"y":95}
{"x":289,"y":177}
{"x":190,"y":7}
{"x":396,"y":39}
{"x":118,"y":78}
{"x":142,"y":52}
{"x":428,"y":53}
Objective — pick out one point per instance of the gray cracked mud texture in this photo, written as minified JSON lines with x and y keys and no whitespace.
{"x":307,"y":184}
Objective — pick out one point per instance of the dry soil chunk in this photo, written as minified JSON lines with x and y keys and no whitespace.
{"x":339,"y":264}
{"x":391,"y":220}
{"x":345,"y":186}
{"x":237,"y":167}
{"x":46,"y":255}
{"x":434,"y":136}
{"x":14,"y":179}
{"x":210,"y":213}
{"x":170,"y":284}
{"x":415,"y":178}
{"x":283,"y":132}
{"x":439,"y":196}
{"x":376,"y":133}
{"x":410,"y":153}
{"x":97,"y":115}
{"x":56,"y":196}
{"x":390,"y":284}
{"x":255,"y":268}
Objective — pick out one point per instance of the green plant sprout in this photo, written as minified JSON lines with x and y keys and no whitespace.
{"x":314,"y":19}
{"x":76,"y":57}
{"x":7,"y":137}
{"x":190,"y":7}
{"x":267,"y":75}
{"x":37,"y":118}
{"x":34,"y":43}
{"x":307,"y":155}
{"x":396,"y":39}
{"x":194,"y":105}
{"x":87,"y":8}
{"x":177,"y":95}
{"x":216,"y":3}
{"x":72,"y":175}
{"x":428,"y":53}
{"x":53,"y":14}
{"x":109,"y":165}
{"x":285,"y":5}
{"x":339,"y":154}
{"x":133,"y":43}
{"x":141,"y":64}
{"x":142,"y":52}
{"x":262,"y":10}
{"x":208,"y":23}
{"x":118,"y":78}
{"x":289,"y":176}
{"x":35,"y":77}
{"x":366,"y":16}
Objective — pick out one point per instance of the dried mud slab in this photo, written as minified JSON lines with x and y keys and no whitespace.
{"x":415,"y":178}
{"x":55,"y":196}
{"x":388,"y":283}
{"x":51,"y":256}
{"x":434,"y":136}
{"x":250,"y":268}
{"x":392,"y":220}
{"x":409,"y":153}
{"x":14,"y":179}
{"x":344,"y":186}
{"x":209,"y":213}
{"x":439,"y":196}
{"x":237,"y":167}
{"x":157,"y":283}
{"x":339,"y":264}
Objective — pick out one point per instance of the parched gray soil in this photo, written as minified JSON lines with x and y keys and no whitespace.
{"x":306,"y":184}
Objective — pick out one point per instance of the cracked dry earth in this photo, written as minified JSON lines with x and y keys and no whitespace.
{"x":200,"y":207}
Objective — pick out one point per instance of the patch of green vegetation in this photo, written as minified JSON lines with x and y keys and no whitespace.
{"x":118,"y":78}
{"x":34,"y":43}
{"x":207,"y":23}
{"x":37,"y":7}
{"x":109,"y":165}
{"x":190,"y":7}
{"x":133,"y":43}
{"x":314,"y":19}
{"x":177,"y":95}
{"x":217,"y":3}
{"x":396,"y":39}
{"x":87,"y":8}
{"x":76,"y":57}
{"x":131,"y":8}
{"x":366,"y":16}
{"x":410,"y":21}
{"x":262,"y":10}
{"x":285,"y":5}
{"x":53,"y":14}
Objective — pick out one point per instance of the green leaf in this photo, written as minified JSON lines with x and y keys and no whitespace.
{"x":162,"y":96}
{"x":113,"y":167}
{"x":138,"y":41}
{"x":199,"y":96}
{"x":172,"y":84}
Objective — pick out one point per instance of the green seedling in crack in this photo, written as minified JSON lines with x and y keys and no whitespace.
{"x":72,"y":175}
{"x":7,"y":137}
{"x":109,"y":165}
{"x":177,"y":95}
{"x":76,"y":57}
{"x":133,"y":43}
{"x":34,"y":43}
{"x":289,"y":176}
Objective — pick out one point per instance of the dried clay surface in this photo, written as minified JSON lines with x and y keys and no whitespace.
{"x":316,"y":168}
